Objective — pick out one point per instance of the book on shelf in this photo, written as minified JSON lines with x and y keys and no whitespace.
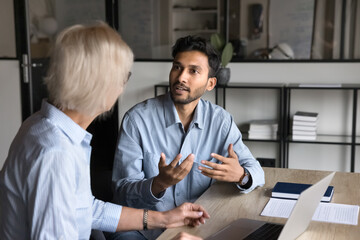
{"x":292,"y":191}
{"x":304,"y":123}
{"x":263,"y":129}
{"x":299,"y":132}
{"x":304,"y":137}
{"x":305,"y":116}
{"x":263,"y":132}
{"x":304,"y":128}
{"x":266,"y":136}
{"x":263,"y":125}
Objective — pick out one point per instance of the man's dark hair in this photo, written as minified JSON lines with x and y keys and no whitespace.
{"x":193,"y":43}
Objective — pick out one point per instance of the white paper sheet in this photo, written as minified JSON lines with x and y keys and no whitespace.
{"x":325,"y":212}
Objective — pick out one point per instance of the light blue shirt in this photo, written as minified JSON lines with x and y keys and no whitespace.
{"x":45,"y":182}
{"x":153,"y":127}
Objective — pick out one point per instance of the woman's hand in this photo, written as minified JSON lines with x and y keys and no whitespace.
{"x":188,"y":214}
{"x":185,"y":236}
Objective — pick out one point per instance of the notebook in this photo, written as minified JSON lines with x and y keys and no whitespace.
{"x":292,"y":191}
{"x":296,"y":224}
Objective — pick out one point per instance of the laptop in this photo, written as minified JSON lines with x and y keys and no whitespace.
{"x":296,"y":224}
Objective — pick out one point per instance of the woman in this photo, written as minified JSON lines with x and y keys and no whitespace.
{"x":45,"y":182}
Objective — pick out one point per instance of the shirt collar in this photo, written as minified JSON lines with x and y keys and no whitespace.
{"x":172,"y":117}
{"x":71,"y":129}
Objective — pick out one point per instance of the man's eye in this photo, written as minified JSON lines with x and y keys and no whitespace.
{"x":176,"y":67}
{"x":193,"y":71}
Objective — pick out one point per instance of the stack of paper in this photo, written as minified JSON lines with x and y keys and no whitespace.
{"x":325,"y":212}
{"x":263,"y":129}
{"x":304,"y":126}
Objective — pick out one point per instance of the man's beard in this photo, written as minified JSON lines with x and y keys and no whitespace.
{"x":190,"y":98}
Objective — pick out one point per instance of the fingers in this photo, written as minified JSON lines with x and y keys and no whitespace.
{"x":184,"y":168}
{"x":186,"y":165}
{"x":197,"y":207}
{"x":218,"y":171}
{"x":175,"y":161}
{"x":231,"y":152}
{"x":218,"y":157}
{"x":162,"y":162}
{"x":214,"y":175}
{"x":195,"y":212}
{"x":185,"y":236}
{"x":194,"y":223}
{"x":211,"y":164}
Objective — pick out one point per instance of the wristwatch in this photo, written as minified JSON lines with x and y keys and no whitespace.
{"x":245,"y":179}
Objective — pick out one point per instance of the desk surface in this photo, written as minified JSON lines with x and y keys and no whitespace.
{"x":225,"y":204}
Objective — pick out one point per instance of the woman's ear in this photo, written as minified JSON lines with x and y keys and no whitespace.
{"x":211,"y":83}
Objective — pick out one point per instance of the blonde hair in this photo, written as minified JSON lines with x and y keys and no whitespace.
{"x":87,"y":64}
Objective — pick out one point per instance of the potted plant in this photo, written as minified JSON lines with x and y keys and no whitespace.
{"x":226,"y":51}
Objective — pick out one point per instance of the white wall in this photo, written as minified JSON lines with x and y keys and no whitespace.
{"x":335,"y":107}
{"x":146,"y":74}
{"x":10,"y":105}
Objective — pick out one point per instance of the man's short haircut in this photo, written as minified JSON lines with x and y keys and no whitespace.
{"x":88,"y":62}
{"x":193,"y":43}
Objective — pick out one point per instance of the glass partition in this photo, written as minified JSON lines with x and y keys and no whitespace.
{"x":261,"y":30}
{"x":48,"y":17}
{"x":151,"y":27}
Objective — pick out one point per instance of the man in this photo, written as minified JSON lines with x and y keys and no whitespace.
{"x":45,"y":183}
{"x":196,"y":141}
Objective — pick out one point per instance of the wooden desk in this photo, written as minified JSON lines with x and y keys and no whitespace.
{"x":225,"y":204}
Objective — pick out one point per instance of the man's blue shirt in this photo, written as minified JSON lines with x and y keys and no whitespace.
{"x":153,"y":127}
{"x":45,"y":183}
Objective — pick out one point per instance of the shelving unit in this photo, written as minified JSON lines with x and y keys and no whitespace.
{"x":220,"y":99}
{"x":183,"y":15}
{"x":285,"y":93}
{"x":330,"y":139}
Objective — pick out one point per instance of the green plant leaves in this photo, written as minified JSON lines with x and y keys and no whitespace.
{"x":226,"y":51}
{"x":217,"y":41}
{"x":227,"y":54}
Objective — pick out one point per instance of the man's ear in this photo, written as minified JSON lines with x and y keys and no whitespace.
{"x":211,"y":83}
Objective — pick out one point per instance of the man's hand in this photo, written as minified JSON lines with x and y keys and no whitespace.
{"x":171,"y":174}
{"x":187,"y":214}
{"x":230,"y":169}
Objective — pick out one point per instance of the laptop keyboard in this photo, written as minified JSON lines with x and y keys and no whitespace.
{"x":267,"y":231}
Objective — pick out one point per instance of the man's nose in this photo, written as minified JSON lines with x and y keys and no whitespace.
{"x":183,"y":76}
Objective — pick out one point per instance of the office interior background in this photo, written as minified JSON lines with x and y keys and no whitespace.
{"x":324,"y":36}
